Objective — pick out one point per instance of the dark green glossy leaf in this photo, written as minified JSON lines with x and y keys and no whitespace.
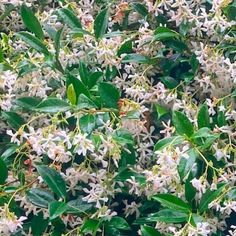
{"x":161,"y":111}
{"x":52,"y":105}
{"x":69,"y":18}
{"x":38,"y":224}
{"x":136,"y":58}
{"x":40,"y":197}
{"x":31,"y":21}
{"x":94,"y":78}
{"x":78,"y":206}
{"x":169,"y":82}
{"x":3,"y":171}
{"x":13,"y":119}
{"x":34,"y":42}
{"x":140,"y":8}
{"x":28,"y":102}
{"x":57,"y":42}
{"x":101,"y":23}
{"x":208,"y":197}
{"x":123,"y":137}
{"x":56,"y":209}
{"x":163,"y":33}
{"x":149,"y":231}
{"x":126,"y":47}
{"x":186,"y":163}
{"x":168,"y":216}
{"x":119,"y":223}
{"x":172,"y":202}
{"x":9,"y":151}
{"x":90,"y":226}
{"x":182,"y":124}
{"x":172,"y":141}
{"x":53,"y":179}
{"x":109,"y":94}
{"x":87,"y":123}
{"x":79,"y":87}
{"x":85,"y":103}
{"x":203,"y":118}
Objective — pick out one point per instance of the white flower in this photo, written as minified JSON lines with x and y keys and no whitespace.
{"x":82,"y":144}
{"x":10,"y":225}
{"x":199,"y":185}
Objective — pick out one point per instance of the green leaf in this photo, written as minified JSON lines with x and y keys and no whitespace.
{"x":172,"y":141}
{"x":57,"y":42}
{"x":9,"y":151}
{"x":123,"y":137}
{"x":230,"y":12}
{"x":34,"y":42}
{"x":168,"y":216}
{"x":28,"y":102}
{"x":110,"y":95}
{"x":203,"y":133}
{"x":208,"y":197}
{"x":38,"y":224}
{"x":93,"y":79}
{"x":13,"y":119}
{"x":3,"y":171}
{"x":221,"y":119}
{"x":186,"y":163}
{"x":136,"y":58}
{"x":40,"y":197}
{"x":90,"y":226}
{"x":149,"y":231}
{"x":119,"y":223}
{"x":79,"y":87}
{"x":83,"y":72}
{"x":125,"y":174}
{"x":163,"y":33}
{"x":169,"y":82}
{"x":140,"y":8}
{"x":85,"y":103}
{"x":195,"y":218}
{"x":182,"y":124}
{"x":126,"y":47}
{"x":190,"y":191}
{"x":203,"y":118}
{"x":161,"y":111}
{"x":172,"y":202}
{"x":78,"y":206}
{"x":69,"y":18}
{"x":53,"y":179}
{"x":71,"y":95}
{"x":52,"y":105}
{"x":31,"y":21}
{"x":56,"y":209}
{"x":87,"y":123}
{"x":101,"y":23}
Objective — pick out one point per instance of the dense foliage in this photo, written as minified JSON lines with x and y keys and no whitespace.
{"x":117,"y":117}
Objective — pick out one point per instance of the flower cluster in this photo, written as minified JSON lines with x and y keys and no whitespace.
{"x":118,"y":117}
